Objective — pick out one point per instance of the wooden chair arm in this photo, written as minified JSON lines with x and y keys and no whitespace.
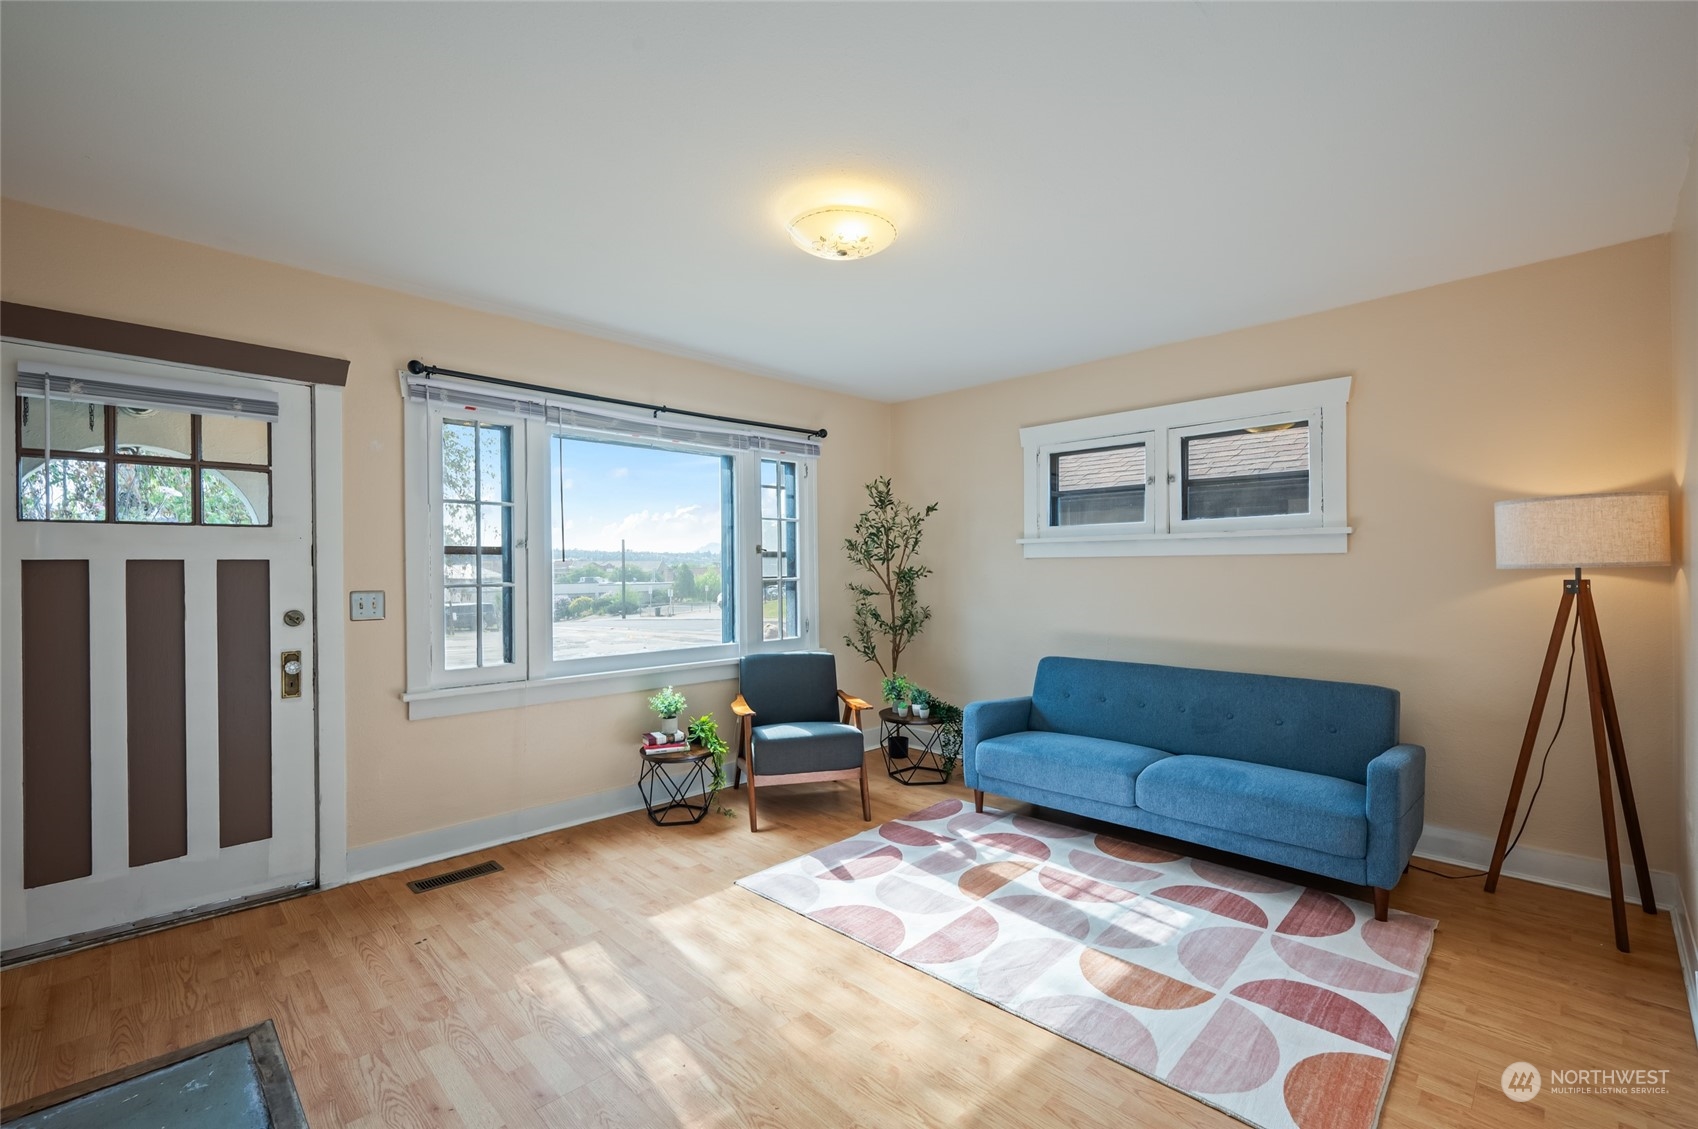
{"x":852,"y":707}
{"x":740,"y":707}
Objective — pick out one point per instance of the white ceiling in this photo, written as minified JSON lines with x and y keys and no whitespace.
{"x":1070,"y":181}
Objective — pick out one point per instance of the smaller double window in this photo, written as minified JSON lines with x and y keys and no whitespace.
{"x":1229,"y":474}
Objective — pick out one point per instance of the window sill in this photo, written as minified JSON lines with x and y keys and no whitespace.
{"x":1242,"y":542}
{"x":456,"y":700}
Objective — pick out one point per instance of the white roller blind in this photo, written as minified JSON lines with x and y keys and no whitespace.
{"x":91,"y":386}
{"x":579,"y":416}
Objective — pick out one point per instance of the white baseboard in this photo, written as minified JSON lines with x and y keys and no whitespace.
{"x":446,"y":842}
{"x":1687,"y":942}
{"x":1550,"y":868}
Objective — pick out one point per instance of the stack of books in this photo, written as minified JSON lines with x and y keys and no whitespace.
{"x":658,"y":742}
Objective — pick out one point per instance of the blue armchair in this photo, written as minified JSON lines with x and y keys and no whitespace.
{"x":791,"y":732}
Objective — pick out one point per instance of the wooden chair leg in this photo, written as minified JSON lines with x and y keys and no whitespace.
{"x":1382,"y":904}
{"x":866,"y":797}
{"x":978,"y":800}
{"x":752,"y":826}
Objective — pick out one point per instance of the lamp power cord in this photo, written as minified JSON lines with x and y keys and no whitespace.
{"x":1544,"y":762}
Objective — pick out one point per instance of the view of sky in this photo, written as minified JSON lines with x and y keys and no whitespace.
{"x":658,"y":501}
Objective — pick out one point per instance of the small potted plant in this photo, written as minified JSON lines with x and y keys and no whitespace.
{"x":898,"y":691}
{"x":704,"y":731}
{"x":669,"y":703}
{"x":922,"y":702}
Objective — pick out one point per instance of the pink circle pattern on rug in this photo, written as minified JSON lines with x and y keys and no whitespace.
{"x":1244,"y":985}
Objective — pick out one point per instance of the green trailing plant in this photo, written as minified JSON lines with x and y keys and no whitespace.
{"x":947,"y":717}
{"x":886,"y":543}
{"x":704,"y":731}
{"x":896,"y":689}
{"x":668,"y":703}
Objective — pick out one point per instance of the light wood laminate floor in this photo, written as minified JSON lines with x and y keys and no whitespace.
{"x":612,"y":975}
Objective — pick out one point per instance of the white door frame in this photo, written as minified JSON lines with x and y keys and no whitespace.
{"x":330,"y":667}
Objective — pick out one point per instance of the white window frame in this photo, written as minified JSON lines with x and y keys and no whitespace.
{"x":1152,"y":487}
{"x":536,"y":676}
{"x":1164,"y":532}
{"x":440,"y":675}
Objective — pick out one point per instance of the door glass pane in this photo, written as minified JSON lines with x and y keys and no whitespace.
{"x":68,"y":490}
{"x":235,"y":497}
{"x":661,"y":512}
{"x":77,"y":426}
{"x":458,"y":457}
{"x":163,"y":494}
{"x":460,"y":620}
{"x":1099,"y":486}
{"x":153,"y":431}
{"x":225,"y":439}
{"x":1250,"y":472}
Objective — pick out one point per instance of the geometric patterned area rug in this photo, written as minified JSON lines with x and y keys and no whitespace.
{"x":1279,"y":1005}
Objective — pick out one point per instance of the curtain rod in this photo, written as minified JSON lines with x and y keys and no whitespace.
{"x":419,"y":368}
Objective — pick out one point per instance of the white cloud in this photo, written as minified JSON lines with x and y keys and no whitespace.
{"x":682,"y":530}
{"x":619,"y":472}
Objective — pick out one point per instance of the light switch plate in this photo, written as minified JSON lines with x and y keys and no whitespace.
{"x":365,"y":605}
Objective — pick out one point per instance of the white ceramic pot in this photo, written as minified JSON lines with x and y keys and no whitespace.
{"x":901,"y":709}
{"x":922,"y":712}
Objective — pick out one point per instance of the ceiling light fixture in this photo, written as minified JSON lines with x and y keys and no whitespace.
{"x":842,"y":233}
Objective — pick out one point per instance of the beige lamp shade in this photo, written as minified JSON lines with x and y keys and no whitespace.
{"x":1584,"y":531}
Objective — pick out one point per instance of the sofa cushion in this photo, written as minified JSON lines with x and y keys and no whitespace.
{"x":807,"y":746}
{"x":1065,"y":763}
{"x":1298,"y":808}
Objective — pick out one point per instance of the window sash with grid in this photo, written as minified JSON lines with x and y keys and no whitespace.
{"x":526,"y":571}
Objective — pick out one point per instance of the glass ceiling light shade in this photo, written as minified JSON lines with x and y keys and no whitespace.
{"x":1584,"y":531}
{"x":840,"y":233}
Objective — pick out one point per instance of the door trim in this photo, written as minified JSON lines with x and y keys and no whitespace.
{"x":330,"y":664}
{"x":39,"y":325}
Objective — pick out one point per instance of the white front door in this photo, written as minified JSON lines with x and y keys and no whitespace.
{"x":156,"y":740}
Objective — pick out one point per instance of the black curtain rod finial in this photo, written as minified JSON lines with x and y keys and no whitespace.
{"x":417,"y":367}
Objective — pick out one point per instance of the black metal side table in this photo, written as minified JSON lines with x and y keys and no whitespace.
{"x":669,"y":779}
{"x":912,"y":753}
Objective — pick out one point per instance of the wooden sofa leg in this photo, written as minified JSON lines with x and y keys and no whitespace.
{"x":1382,"y":903}
{"x":978,"y":800}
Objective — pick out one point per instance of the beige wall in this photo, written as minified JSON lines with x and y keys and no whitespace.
{"x":1546,"y":379}
{"x":1549,"y":379}
{"x":408,"y":777}
{"x":1685,"y":325}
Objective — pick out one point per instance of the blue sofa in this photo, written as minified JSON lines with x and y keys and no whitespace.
{"x":1292,"y":771}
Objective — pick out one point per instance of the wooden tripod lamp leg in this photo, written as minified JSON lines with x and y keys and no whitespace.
{"x":1606,"y":798}
{"x":1530,"y":738}
{"x":1618,"y":749}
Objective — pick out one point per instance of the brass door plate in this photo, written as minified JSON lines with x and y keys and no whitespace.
{"x":291,"y":663}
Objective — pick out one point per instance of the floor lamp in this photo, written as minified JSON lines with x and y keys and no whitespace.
{"x":1585,"y":531}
